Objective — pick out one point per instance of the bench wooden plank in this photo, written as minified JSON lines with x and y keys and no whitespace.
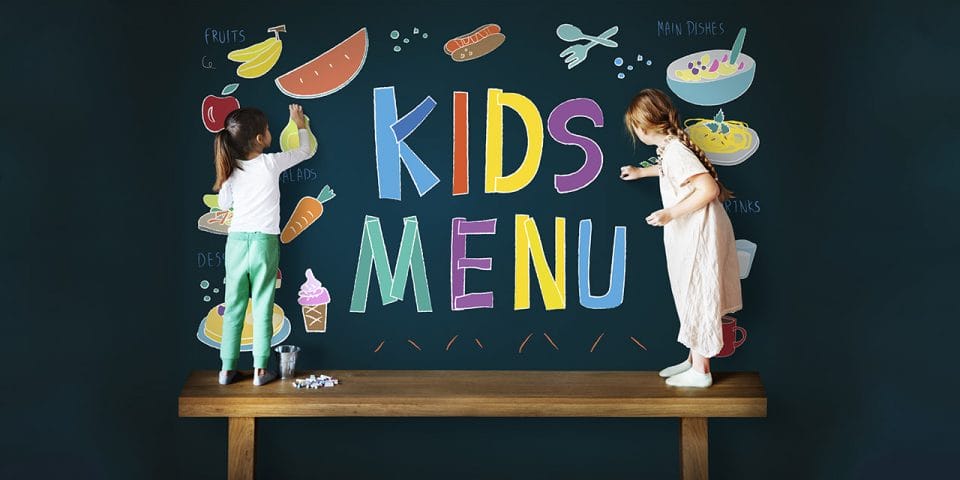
{"x":477,"y":393}
{"x":693,"y":448}
{"x":241,"y":432}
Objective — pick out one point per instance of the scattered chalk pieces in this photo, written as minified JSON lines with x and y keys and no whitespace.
{"x":315,"y":382}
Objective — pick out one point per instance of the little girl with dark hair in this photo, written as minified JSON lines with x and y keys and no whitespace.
{"x":248,"y":180}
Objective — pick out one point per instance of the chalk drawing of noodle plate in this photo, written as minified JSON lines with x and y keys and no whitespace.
{"x":712,"y":77}
{"x":726,"y":142}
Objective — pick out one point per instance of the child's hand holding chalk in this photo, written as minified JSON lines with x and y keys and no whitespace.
{"x":629,"y":172}
{"x":296,"y":114}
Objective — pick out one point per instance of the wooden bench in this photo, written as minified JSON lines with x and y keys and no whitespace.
{"x":475,"y":393}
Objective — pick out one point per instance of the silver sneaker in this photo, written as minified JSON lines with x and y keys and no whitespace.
{"x":267,"y":377}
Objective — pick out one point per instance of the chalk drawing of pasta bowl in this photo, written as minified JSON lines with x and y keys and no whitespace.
{"x":210,"y":332}
{"x":726,"y":142}
{"x":711,"y":77}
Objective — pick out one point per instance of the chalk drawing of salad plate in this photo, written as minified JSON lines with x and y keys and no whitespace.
{"x":712,"y":77}
{"x":746,"y":250}
{"x":211,"y":328}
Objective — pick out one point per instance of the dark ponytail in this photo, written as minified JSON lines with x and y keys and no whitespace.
{"x":236,"y":141}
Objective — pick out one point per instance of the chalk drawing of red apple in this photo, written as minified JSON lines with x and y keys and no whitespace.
{"x":215,"y":109}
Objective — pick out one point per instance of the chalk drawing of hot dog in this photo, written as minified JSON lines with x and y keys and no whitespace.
{"x":475,"y":44}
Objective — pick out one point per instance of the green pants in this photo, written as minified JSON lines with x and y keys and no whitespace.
{"x":251,"y":263}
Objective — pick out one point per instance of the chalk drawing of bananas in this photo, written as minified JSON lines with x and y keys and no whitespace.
{"x":257,"y":59}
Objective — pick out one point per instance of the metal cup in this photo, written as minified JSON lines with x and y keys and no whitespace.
{"x":288,"y":359}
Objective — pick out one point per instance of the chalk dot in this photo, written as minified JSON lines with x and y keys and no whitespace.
{"x":204,"y":284}
{"x":629,"y":67}
{"x":406,"y":40}
{"x":396,"y":48}
{"x":621,"y":76}
{"x":394,"y":34}
{"x":206,"y":298}
{"x":639,"y":58}
{"x":424,"y":35}
{"x":649,"y":63}
{"x":216,"y":290}
{"x":618,"y":61}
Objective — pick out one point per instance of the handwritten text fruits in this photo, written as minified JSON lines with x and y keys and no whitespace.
{"x":258,"y":59}
{"x":329,"y":72}
{"x":214,"y":109}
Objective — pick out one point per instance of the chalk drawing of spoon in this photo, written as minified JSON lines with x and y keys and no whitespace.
{"x":576,"y":54}
{"x":208,"y":64}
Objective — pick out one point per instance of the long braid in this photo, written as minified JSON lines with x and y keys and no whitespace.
{"x":652,"y":110}
{"x":681,"y":134}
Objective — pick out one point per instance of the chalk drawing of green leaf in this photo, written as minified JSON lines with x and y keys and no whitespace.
{"x":719,"y":118}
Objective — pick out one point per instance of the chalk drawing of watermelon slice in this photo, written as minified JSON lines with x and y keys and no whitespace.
{"x":329,"y":72}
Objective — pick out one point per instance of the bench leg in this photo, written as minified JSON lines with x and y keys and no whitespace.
{"x":240,"y":447}
{"x":693,"y":448}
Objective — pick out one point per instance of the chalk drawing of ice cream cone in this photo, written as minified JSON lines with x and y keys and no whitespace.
{"x":313,"y":300}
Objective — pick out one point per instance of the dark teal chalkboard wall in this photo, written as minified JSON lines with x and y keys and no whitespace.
{"x":527,"y":63}
{"x":848,"y":293}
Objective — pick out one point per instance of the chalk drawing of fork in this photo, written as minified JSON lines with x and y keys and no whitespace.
{"x":576,"y":54}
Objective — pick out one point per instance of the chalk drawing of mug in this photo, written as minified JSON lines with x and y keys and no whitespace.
{"x":730,"y":334}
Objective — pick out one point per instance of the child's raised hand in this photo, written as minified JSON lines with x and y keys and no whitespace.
{"x":660,"y":217}
{"x":296,"y":114}
{"x":629,"y":172}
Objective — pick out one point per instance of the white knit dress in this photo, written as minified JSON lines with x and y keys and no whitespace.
{"x":701,"y":255}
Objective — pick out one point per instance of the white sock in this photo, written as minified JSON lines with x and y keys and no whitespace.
{"x":691,"y":378}
{"x":675,"y":369}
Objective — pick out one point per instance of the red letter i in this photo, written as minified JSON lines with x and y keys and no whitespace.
{"x":461,"y":173}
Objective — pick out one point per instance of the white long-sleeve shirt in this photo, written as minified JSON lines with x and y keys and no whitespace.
{"x":253,"y":190}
